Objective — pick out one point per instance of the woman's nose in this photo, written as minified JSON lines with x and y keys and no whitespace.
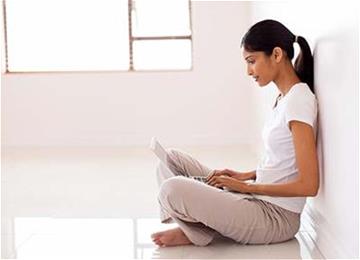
{"x":249,"y":71}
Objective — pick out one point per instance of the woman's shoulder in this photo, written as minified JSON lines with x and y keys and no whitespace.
{"x":301,"y":92}
{"x":301,"y":98}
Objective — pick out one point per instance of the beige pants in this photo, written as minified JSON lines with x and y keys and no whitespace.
{"x":203,"y":211}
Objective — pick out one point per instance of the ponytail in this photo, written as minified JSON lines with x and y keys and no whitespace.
{"x":304,"y":63}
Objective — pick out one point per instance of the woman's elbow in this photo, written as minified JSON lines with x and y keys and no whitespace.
{"x":308,"y":189}
{"x":312,"y":194}
{"x":310,"y":186}
{"x":313,"y":191}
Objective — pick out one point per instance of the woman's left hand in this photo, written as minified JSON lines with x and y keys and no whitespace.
{"x":230,"y":183}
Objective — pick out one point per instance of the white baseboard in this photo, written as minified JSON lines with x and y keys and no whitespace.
{"x":324,"y":235}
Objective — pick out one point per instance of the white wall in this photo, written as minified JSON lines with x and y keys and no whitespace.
{"x":213,"y":104}
{"x":216,"y":103}
{"x":332,"y":30}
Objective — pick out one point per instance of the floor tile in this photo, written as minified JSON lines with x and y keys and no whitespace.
{"x":103,"y":203}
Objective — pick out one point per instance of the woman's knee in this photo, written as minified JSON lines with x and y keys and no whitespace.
{"x":177,"y":196}
{"x":174,"y":192}
{"x":173,"y":186}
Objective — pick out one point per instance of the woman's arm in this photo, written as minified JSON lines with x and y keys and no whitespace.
{"x":247,"y":175}
{"x":307,"y":183}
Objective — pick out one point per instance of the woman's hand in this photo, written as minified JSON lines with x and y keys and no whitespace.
{"x":234,"y":174}
{"x":226,"y":172}
{"x":230,"y":183}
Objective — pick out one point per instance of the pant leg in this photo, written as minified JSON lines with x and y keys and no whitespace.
{"x":201,"y":210}
{"x":182,"y":164}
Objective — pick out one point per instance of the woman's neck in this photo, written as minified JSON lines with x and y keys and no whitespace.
{"x":286,"y":79}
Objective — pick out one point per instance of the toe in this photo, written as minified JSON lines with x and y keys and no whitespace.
{"x":158,"y":242}
{"x":155,"y":235}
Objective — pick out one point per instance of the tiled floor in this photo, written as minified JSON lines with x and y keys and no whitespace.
{"x":71,"y":203}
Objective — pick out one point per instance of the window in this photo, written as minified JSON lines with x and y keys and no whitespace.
{"x":161,"y":34}
{"x":93,"y":35}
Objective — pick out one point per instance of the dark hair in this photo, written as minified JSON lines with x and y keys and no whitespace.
{"x":267,"y":34}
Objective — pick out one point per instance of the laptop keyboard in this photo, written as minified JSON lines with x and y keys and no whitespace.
{"x":202,"y":179}
{"x":199,"y":178}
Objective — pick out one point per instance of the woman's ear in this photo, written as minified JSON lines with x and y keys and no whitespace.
{"x":278,"y":54}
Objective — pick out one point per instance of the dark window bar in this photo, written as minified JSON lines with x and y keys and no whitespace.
{"x":5,"y":38}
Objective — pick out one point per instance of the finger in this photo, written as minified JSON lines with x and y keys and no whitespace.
{"x":213,"y":181}
{"x":227,"y":172}
{"x":224,"y":178}
{"x":156,"y":241}
{"x":211,"y":178}
{"x":220,"y":172}
{"x":217,"y":180}
{"x":212,"y":174}
{"x":227,"y":178}
{"x":224,"y":181}
{"x":219,"y":185}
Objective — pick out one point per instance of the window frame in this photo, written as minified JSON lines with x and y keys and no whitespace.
{"x":132,"y":39}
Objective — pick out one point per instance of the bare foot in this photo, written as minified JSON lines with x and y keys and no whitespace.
{"x":171,"y":237}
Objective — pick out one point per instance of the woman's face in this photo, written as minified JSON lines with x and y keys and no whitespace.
{"x":260,"y":66}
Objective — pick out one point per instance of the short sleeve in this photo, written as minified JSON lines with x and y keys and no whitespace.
{"x":302,"y":106}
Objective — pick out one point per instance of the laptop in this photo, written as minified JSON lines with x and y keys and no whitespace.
{"x":164,"y":157}
{"x":161,"y":153}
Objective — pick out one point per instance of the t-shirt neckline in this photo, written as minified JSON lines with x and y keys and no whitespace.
{"x":290,"y":90}
{"x":278,"y":100}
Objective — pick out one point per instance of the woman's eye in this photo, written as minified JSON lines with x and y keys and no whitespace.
{"x":250,"y":62}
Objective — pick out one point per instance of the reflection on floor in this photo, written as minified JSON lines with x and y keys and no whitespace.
{"x":102,"y":203}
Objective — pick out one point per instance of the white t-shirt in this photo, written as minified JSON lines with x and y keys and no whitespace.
{"x":278,"y":165}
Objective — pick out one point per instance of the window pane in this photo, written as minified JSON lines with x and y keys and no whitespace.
{"x":162,"y":54}
{"x":161,"y":18}
{"x":58,"y":35}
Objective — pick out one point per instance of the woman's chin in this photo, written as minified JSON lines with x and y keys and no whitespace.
{"x":262,"y":84}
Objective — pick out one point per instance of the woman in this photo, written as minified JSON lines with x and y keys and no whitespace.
{"x":268,"y":209}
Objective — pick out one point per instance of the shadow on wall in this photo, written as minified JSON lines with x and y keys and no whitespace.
{"x":320,"y":152}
